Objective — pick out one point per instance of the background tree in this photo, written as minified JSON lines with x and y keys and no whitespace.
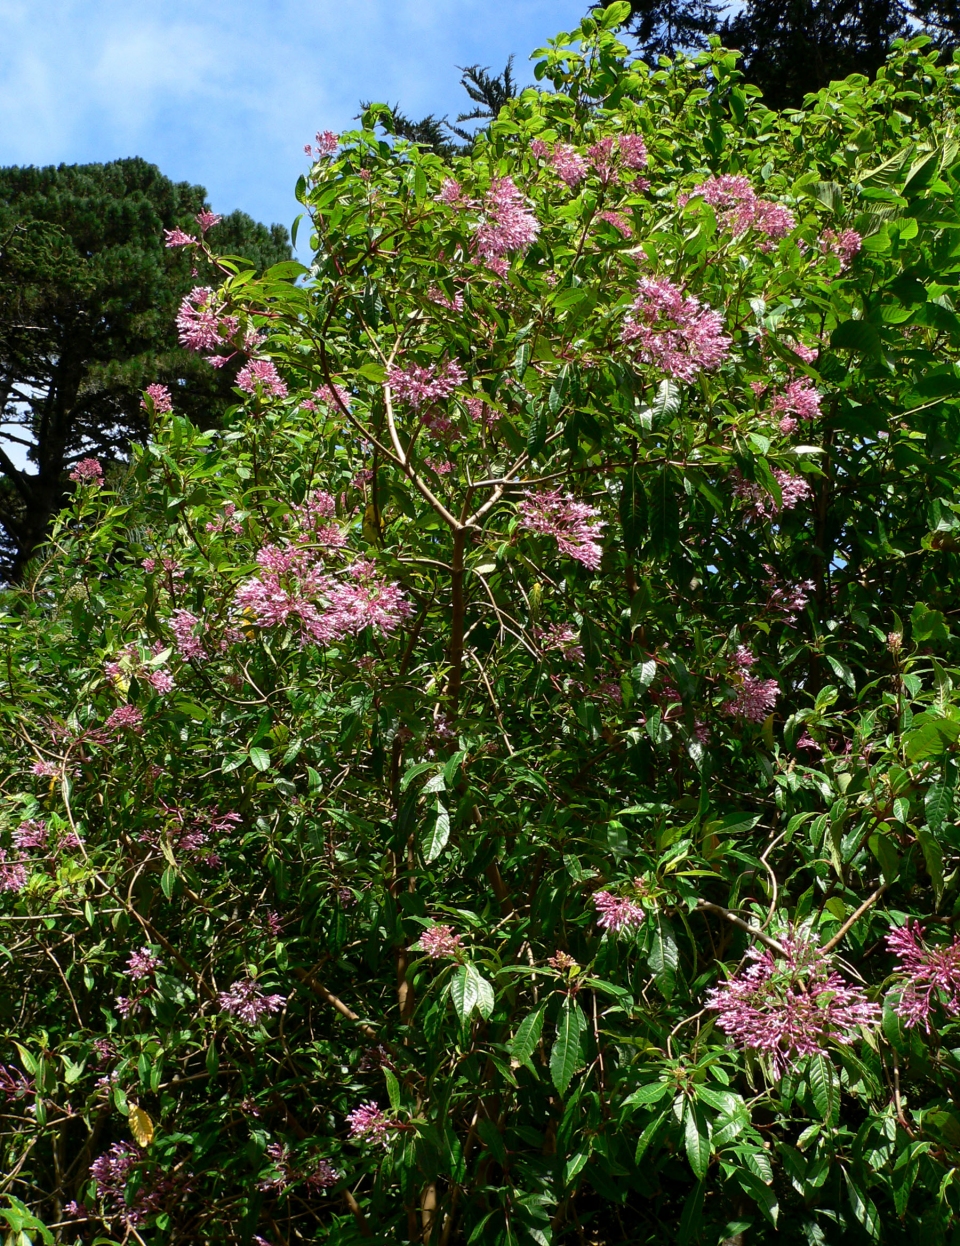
{"x":88,"y":295}
{"x":794,"y":47}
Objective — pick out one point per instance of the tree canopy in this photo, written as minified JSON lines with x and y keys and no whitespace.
{"x":499,"y":785}
{"x":88,"y":294}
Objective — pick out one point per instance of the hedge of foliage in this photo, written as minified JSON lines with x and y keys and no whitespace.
{"x":500,"y":788}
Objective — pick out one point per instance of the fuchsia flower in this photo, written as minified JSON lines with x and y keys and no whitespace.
{"x":753,"y":698}
{"x":618,"y":221}
{"x":125,"y":718}
{"x":616,"y":913}
{"x":200,"y":326}
{"x":675,"y":332}
{"x":440,"y":941}
{"x":143,"y":963}
{"x":793,"y":489}
{"x":800,"y":399}
{"x":247,"y":1003}
{"x":418,"y":386}
{"x":603,"y":160}
{"x":177,"y":238}
{"x":844,"y":245}
{"x":562,"y":638}
{"x":791,"y":1006}
{"x":183,"y":624}
{"x":569,"y":164}
{"x":573,"y":525}
{"x":160,"y":397}
{"x":261,"y":376}
{"x":450,"y":193}
{"x":741,"y":209}
{"x":88,"y":472}
{"x":539,"y":148}
{"x":508,"y":224}
{"x":369,"y":1122}
{"x":633,"y":151}
{"x":206,"y":220}
{"x":31,"y":834}
{"x":929,"y":976}
{"x":13,"y":873}
{"x":327,"y":142}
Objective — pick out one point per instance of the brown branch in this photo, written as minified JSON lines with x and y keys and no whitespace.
{"x":309,"y":980}
{"x":855,"y":917}
{"x":705,"y":905}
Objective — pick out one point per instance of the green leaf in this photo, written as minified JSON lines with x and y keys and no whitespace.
{"x":435,"y":840}
{"x":664,"y":957}
{"x":938,"y":804}
{"x":664,"y":515}
{"x":856,"y":336}
{"x":933,"y":858}
{"x":393,"y":1089}
{"x":633,"y":510}
{"x":696,"y":1140}
{"x":465,"y":991}
{"x":689,"y":1227}
{"x":524,"y":1043}
{"x":824,"y":1086}
{"x":863,"y":1207}
{"x":565,"y":1055}
{"x":260,"y":758}
{"x":643,"y":1096}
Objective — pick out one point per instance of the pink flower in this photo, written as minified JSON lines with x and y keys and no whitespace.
{"x":539,"y":149}
{"x":439,"y":941}
{"x":508,"y":224}
{"x":562,"y":638}
{"x":602,"y":158}
{"x":261,"y":376}
{"x":327,"y":142}
{"x":741,"y":209}
{"x":177,"y":238}
{"x":200,"y":325}
{"x":807,"y":353}
{"x":31,"y":834}
{"x":88,"y":472}
{"x":436,"y":295}
{"x":160,"y":399}
{"x":787,"y":600}
{"x":13,"y":873}
{"x":206,"y":220}
{"x":569,"y":164}
{"x":753,"y":698}
{"x":183,"y":625}
{"x":125,"y":718}
{"x":928,"y":976}
{"x":618,"y":221}
{"x":45,"y":770}
{"x":800,"y":398}
{"x":247,"y":1003}
{"x":633,"y":151}
{"x":675,"y":332}
{"x":149,"y":565}
{"x":143,"y":963}
{"x":790,"y":1006}
{"x":368,"y":1121}
{"x":793,"y":489}
{"x":616,"y":913}
{"x":419,"y":386}
{"x":844,"y":245}
{"x":322,"y":1176}
{"x":574,"y":525}
{"x":450,"y":193}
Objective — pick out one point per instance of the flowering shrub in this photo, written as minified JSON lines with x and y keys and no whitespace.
{"x":501,"y":786}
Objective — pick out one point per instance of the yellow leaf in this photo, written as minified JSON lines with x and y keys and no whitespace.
{"x":141,"y":1126}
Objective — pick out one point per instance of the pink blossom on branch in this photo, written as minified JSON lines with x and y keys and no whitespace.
{"x":247,"y":1003}
{"x":793,"y":490}
{"x":573,"y":525}
{"x":369,"y":1122}
{"x":674,"y":331}
{"x":439,"y":941}
{"x":800,"y":399}
{"x":177,"y":238}
{"x":618,"y":221}
{"x":206,"y":220}
{"x":633,"y":151}
{"x":927,"y":976}
{"x":160,"y":398}
{"x":616,"y":913}
{"x":125,"y":718}
{"x":419,"y":386}
{"x":741,"y":209}
{"x":184,"y":625}
{"x":844,"y":245}
{"x":508,"y":224}
{"x":569,"y":164}
{"x":88,"y":472}
{"x":788,"y":1007}
{"x":260,"y":376}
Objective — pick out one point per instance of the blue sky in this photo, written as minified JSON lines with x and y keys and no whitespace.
{"x":226,"y":92}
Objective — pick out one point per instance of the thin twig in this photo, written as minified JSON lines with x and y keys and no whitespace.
{"x":855,"y":917}
{"x":738,"y":921}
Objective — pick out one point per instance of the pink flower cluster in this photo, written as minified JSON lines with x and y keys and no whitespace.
{"x":436,"y":295}
{"x":675,"y":331}
{"x":791,"y":1006}
{"x":563,"y":639}
{"x":419,"y":386}
{"x":129,"y":663}
{"x":247,"y":1003}
{"x":741,"y":208}
{"x":569,"y":164}
{"x":260,"y":377}
{"x":618,"y":221}
{"x":184,"y":626}
{"x":88,"y":472}
{"x":330,"y":396}
{"x":787,"y":600}
{"x":930,"y":976}
{"x":369,"y":1122}
{"x":616,"y":913}
{"x":327,"y":143}
{"x":844,"y":245}
{"x":573,"y":525}
{"x":440,"y":941}
{"x":160,"y":399}
{"x":451,"y":193}
{"x":292,"y":588}
{"x":200,"y":324}
{"x":142,"y":964}
{"x":800,"y":399}
{"x":753,"y":698}
{"x":508,"y":224}
{"x":762,"y":505}
{"x":112,"y":1172}
{"x":320,"y":1177}
{"x":206,"y":220}
{"x":13,"y":873}
{"x":629,"y":151}
{"x":125,"y":718}
{"x":31,"y":834}
{"x":177,"y":238}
